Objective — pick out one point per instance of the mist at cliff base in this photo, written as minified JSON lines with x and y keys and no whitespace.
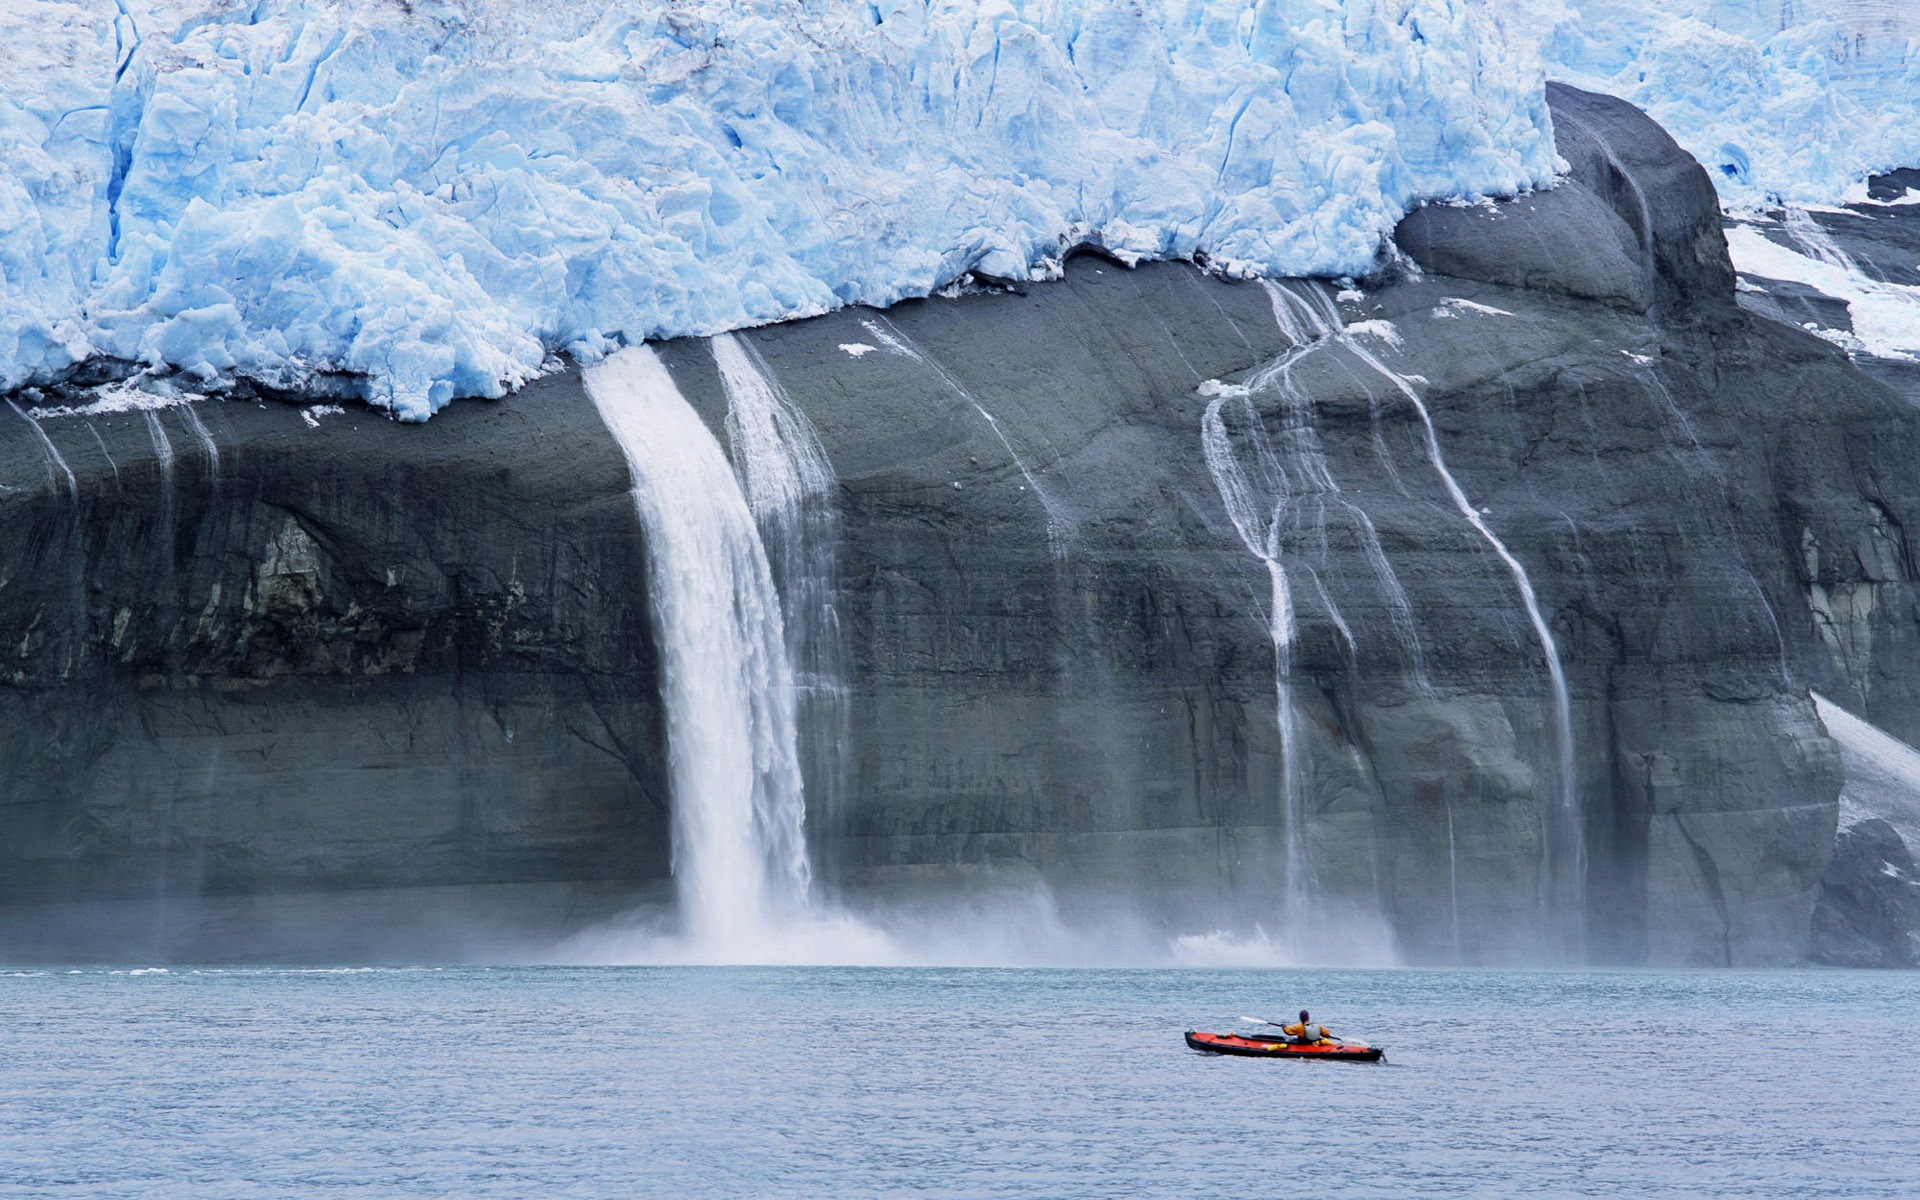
{"x":1007,"y":919}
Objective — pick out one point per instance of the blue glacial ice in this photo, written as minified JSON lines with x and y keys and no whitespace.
{"x":1792,"y":101}
{"x":411,"y":201}
{"x":418,"y":201}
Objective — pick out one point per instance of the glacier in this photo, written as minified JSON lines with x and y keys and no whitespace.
{"x":410,"y":201}
{"x":1783,"y":101}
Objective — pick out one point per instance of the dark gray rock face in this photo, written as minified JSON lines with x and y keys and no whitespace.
{"x":373,"y":670}
{"x":1598,"y":258}
{"x":1661,"y":193}
{"x":1856,"y":555}
{"x":287,"y":667}
{"x":1869,"y":911}
{"x":1894,"y":184}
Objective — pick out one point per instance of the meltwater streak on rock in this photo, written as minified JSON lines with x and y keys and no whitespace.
{"x":162,"y":448}
{"x":1303,"y":323}
{"x":1287,"y":473}
{"x":1885,"y":316}
{"x":1705,"y":465}
{"x":895,"y":339}
{"x":788,"y":482}
{"x":1648,"y":262}
{"x":1289,"y":484}
{"x":53,"y":455}
{"x":1257,"y":520}
{"x":206,"y":441}
{"x":739,"y":851}
{"x":1564,"y":871}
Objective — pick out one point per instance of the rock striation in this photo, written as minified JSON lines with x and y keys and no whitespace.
{"x":249,"y":704}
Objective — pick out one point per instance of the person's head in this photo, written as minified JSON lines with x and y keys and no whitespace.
{"x":1303,"y":1014}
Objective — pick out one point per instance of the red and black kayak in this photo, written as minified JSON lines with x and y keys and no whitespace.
{"x":1234,"y":1043}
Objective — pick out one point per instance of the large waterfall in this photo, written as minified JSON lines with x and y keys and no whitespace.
{"x":739,"y":850}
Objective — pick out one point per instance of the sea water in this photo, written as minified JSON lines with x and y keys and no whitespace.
{"x":848,"y":1082}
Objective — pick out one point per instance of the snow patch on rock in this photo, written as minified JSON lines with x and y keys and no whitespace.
{"x":1885,"y":316}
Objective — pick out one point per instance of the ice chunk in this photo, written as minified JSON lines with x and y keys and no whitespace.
{"x":1386,"y":331}
{"x":1453,"y":306}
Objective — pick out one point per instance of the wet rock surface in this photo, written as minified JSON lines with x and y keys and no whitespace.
{"x":298,"y":676}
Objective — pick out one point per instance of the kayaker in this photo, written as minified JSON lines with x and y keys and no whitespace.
{"x":1306,"y":1033}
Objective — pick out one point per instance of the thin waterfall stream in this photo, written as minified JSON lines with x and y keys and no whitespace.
{"x":1271,"y":482}
{"x":1286,"y":473}
{"x":788,"y":482}
{"x":1059,"y":525}
{"x":1564,"y":865}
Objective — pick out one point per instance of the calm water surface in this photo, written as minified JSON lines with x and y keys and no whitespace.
{"x":823,"y":1082}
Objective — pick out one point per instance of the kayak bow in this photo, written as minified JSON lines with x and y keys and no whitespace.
{"x":1234,"y":1043}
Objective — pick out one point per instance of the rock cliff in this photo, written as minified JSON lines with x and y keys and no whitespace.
{"x":265,"y":667}
{"x":1562,"y":536}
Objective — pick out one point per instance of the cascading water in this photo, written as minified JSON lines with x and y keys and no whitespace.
{"x":1277,"y":483}
{"x":1817,"y":242}
{"x":739,"y":848}
{"x":1304,"y":324}
{"x":1564,"y":864}
{"x":788,"y":483}
{"x":52,"y":452}
{"x":1257,"y":518}
{"x":207,"y":443}
{"x":1288,"y":474}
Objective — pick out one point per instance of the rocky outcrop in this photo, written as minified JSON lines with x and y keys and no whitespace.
{"x":372,"y":671}
{"x":1850,"y":495}
{"x":1869,"y":911}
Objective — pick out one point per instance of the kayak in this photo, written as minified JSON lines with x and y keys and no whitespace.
{"x":1233,"y":1043}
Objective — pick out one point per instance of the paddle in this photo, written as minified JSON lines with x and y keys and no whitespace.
{"x":1278,"y":1025}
